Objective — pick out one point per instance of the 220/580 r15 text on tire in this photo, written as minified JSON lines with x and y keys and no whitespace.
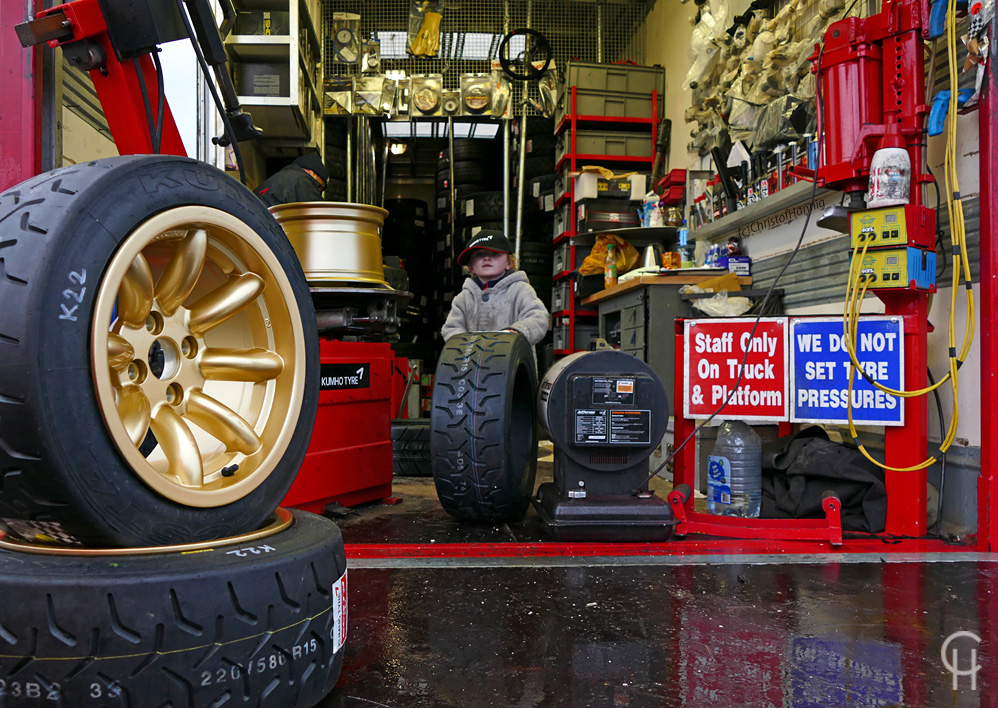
{"x":158,"y":355}
{"x":483,"y":440}
{"x":260,"y":623}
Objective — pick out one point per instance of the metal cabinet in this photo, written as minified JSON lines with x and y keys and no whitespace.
{"x":642,"y":322}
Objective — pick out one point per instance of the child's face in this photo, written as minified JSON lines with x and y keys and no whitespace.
{"x":487,"y":264}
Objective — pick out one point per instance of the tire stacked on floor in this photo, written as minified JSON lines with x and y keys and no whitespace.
{"x":538,"y":212}
{"x":203,"y":593}
{"x":336,"y":161}
{"x":475,"y":163}
{"x":407,"y":235}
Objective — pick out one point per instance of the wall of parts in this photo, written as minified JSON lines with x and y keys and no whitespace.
{"x":815,"y":282}
{"x":471,"y":31}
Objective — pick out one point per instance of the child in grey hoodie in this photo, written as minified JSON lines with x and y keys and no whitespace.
{"x":495,"y":297}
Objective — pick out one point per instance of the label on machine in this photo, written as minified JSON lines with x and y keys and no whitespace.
{"x":596,"y":427}
{"x":613,"y":391}
{"x":590,"y":426}
{"x":337,"y":377}
{"x":630,"y":427}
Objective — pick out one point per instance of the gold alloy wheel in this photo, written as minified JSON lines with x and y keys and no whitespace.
{"x":198,"y":356}
{"x":279,"y":521}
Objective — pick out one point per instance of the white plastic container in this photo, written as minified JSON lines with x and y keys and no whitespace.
{"x":890,"y":171}
{"x":734,"y":476}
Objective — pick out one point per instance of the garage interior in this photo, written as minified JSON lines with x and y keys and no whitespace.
{"x":751,"y":463}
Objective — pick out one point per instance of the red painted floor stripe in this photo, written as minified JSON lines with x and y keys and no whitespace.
{"x":671,"y":548}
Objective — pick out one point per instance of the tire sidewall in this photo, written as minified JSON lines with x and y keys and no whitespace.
{"x":132,"y":191}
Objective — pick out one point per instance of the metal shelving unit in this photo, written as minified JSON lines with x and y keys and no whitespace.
{"x":570,"y":162}
{"x":294,"y":117}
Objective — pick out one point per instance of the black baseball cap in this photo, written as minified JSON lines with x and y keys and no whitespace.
{"x":488,"y":241}
{"x":313,"y":162}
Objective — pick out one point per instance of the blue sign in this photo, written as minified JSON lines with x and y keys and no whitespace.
{"x":819,"y":371}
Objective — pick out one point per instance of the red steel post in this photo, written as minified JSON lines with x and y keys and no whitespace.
{"x":987,"y":510}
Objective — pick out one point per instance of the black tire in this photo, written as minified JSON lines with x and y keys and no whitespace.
{"x":64,"y":471}
{"x":536,"y":259}
{"x":483,"y":438}
{"x":336,"y":190}
{"x":481,"y":207}
{"x":474,"y":149}
{"x":250,"y":624}
{"x":411,"y":447}
{"x":412,"y":209}
{"x":538,"y":166}
{"x":336,"y":134}
{"x":471,"y":173}
{"x":542,"y":184}
{"x":539,"y":227}
{"x":336,"y":163}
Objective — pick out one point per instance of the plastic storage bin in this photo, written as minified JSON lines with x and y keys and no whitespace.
{"x":600,"y":142}
{"x":562,"y":220}
{"x":561,"y":296}
{"x":612,"y":104}
{"x":584,"y":332}
{"x":618,"y":78}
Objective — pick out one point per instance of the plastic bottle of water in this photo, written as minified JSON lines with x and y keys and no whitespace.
{"x":734,"y":476}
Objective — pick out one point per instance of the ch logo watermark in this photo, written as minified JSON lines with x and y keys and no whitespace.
{"x":951,"y":661}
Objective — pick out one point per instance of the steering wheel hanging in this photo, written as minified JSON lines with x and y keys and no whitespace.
{"x":524,"y":66}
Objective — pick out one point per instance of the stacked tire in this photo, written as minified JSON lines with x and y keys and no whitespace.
{"x":336,"y":161}
{"x":475,"y":162}
{"x":538,"y":211}
{"x":540,"y":147}
{"x":97,"y":449}
{"x":407,"y":235}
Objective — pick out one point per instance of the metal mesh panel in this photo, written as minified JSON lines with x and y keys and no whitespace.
{"x":471,"y":31}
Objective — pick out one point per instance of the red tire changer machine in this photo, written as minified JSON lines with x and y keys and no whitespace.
{"x":349,"y":460}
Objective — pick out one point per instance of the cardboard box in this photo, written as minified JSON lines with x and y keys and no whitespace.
{"x":262,"y":79}
{"x":605,"y":215}
{"x":591,"y":185}
{"x":739,"y":265}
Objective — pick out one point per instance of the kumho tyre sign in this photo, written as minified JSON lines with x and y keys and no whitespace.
{"x":714,"y":352}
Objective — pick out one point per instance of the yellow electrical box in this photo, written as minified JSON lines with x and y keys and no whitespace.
{"x":908,"y":268}
{"x":902,"y":225}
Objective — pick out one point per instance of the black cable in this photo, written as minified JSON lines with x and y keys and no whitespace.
{"x":214,"y":92}
{"x":772,"y":287}
{"x":145,"y":100}
{"x":160,"y":109}
{"x":942,"y":456}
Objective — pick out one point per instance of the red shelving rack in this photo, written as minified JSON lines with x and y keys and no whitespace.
{"x":574,"y":160}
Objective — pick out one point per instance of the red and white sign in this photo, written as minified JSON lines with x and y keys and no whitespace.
{"x":713,"y":356}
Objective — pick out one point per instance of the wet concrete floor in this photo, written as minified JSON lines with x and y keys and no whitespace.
{"x":866,"y":634}
{"x":798,"y":631}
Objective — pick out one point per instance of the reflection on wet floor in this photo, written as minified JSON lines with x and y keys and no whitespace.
{"x":706,"y":635}
{"x":648,"y":632}
{"x":419,"y":518}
